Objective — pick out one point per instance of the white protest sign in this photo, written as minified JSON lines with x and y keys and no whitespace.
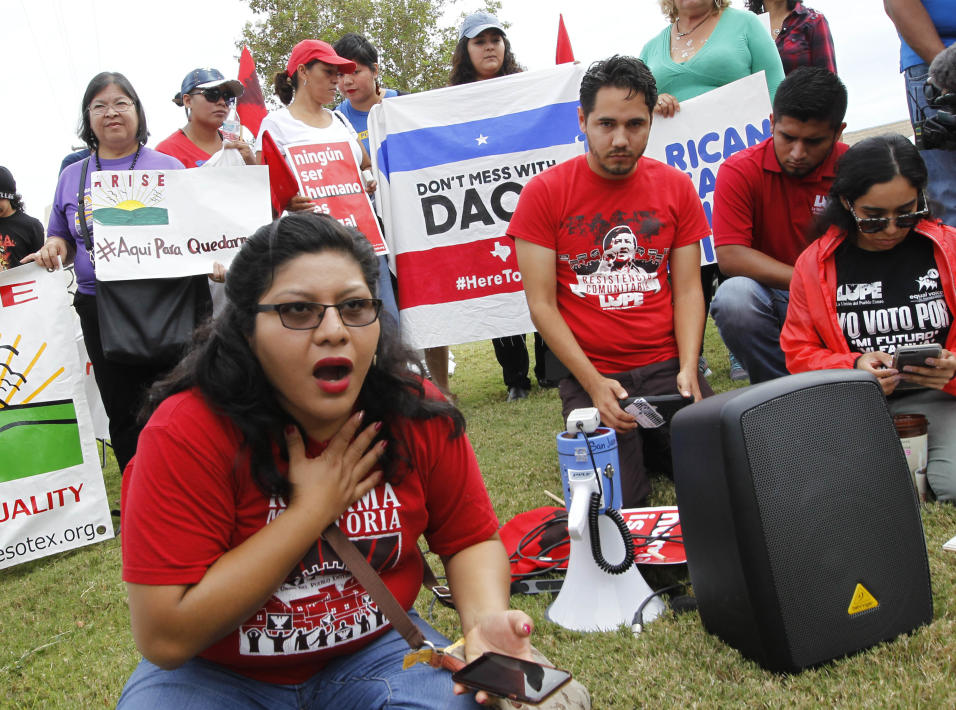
{"x":451,"y":164}
{"x":52,"y":496}
{"x":169,"y":223}
{"x":706,"y":131}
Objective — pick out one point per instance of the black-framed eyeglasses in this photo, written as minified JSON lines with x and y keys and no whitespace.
{"x":303,"y":315}
{"x":214,"y":94}
{"x":872,"y":225}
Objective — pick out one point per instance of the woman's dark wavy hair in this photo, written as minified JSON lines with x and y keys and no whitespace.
{"x":757,"y":5}
{"x":870,"y":162}
{"x":286,"y":86}
{"x":96,"y":85}
{"x":463,"y":71}
{"x":222,"y":365}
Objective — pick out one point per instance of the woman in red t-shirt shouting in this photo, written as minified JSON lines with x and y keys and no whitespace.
{"x":295,"y":411}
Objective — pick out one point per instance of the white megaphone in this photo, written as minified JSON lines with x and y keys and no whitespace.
{"x":591,"y":598}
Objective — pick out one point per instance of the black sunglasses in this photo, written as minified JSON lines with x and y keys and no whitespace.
{"x":872,"y":225}
{"x":214,"y":94}
{"x":303,"y":315}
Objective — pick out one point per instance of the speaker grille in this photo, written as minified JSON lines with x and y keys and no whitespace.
{"x":828,"y":477}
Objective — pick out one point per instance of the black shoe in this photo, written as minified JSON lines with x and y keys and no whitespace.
{"x":516,"y":393}
{"x":547,"y":384}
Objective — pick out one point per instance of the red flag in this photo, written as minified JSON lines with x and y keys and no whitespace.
{"x":282,"y":182}
{"x":251,"y":107}
{"x":563,"y":54}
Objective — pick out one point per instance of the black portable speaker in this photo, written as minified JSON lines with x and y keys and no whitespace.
{"x":800,"y":520}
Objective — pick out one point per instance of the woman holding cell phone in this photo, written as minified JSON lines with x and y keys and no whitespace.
{"x":296,"y":411}
{"x":878,"y":280}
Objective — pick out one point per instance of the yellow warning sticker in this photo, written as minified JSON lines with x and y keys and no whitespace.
{"x":862,"y":600}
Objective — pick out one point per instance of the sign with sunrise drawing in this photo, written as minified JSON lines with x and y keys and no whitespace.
{"x":171,"y":223}
{"x":52,"y":496}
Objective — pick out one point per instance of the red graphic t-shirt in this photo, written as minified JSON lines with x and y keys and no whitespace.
{"x":186,"y":502}
{"x":612,"y":240}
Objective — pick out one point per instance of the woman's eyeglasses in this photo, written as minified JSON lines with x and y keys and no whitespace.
{"x":214,"y":94}
{"x":302,"y":315}
{"x":872,"y":225}
{"x":120,"y":106}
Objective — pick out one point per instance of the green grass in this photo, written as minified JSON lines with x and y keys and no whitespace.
{"x":66,"y":640}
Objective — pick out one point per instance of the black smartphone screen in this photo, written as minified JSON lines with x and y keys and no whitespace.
{"x":514,"y":678}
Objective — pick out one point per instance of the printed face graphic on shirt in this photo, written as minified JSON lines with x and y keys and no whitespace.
{"x":620,"y":269}
{"x":320,"y":604}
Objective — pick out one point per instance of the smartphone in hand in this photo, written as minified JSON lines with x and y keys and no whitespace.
{"x":915,"y":354}
{"x":654,"y":410}
{"x":512,"y":678}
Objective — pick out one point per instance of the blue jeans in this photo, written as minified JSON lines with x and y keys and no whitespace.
{"x":939,"y":408}
{"x":372,"y":677}
{"x":940,"y":164}
{"x":750,"y":317}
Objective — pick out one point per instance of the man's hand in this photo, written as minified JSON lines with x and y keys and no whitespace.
{"x":605,"y":394}
{"x":687,"y":383}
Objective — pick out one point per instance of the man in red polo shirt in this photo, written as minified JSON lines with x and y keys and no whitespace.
{"x":765,"y":201}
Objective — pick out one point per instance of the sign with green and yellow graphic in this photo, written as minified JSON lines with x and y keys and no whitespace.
{"x":52,"y":496}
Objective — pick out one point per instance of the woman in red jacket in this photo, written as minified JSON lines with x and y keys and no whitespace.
{"x":879,"y":277}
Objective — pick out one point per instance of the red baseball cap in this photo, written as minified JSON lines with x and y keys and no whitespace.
{"x":309,"y":49}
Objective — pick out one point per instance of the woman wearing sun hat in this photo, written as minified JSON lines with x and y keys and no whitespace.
{"x":207,"y":97}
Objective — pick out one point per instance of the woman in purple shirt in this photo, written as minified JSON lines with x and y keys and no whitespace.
{"x":113,"y":125}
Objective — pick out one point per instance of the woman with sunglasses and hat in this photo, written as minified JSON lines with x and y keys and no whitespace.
{"x":296,"y":412}
{"x":882,"y":276}
{"x":207,"y":96}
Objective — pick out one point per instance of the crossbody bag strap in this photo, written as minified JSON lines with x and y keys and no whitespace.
{"x":368,"y":577}
{"x":81,"y":208}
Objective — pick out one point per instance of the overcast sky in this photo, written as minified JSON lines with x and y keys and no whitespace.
{"x":51,"y":49}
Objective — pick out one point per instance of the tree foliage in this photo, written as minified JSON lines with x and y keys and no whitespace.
{"x":414,"y":45}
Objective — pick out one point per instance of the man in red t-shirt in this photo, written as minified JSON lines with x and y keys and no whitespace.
{"x":594,"y":238}
{"x":765,"y":201}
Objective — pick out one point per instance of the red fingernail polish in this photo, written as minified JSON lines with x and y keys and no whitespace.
{"x":378,"y":426}
{"x":527,"y":628}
